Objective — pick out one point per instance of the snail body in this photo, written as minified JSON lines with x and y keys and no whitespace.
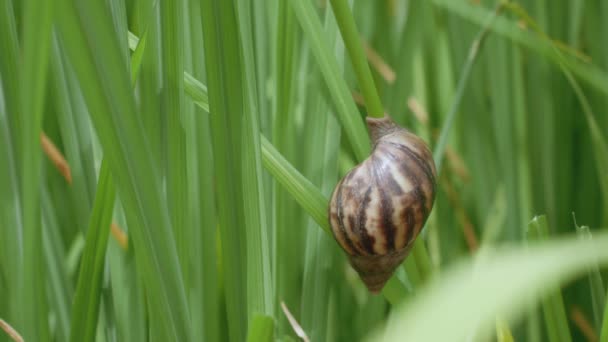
{"x":378,"y":209}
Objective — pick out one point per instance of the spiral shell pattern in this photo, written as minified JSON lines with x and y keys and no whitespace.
{"x":380,"y":206}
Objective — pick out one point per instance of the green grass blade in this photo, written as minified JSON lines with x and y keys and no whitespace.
{"x":222,"y":61}
{"x":172,"y":100}
{"x":352,"y":41}
{"x":11,"y":227}
{"x":37,"y":21}
{"x":303,"y":191}
{"x":439,"y":151}
{"x":206,"y":243}
{"x":261,"y":329}
{"x":137,"y":57}
{"x":340,"y":94}
{"x":596,"y":284}
{"x":9,"y":45}
{"x":150,"y":82}
{"x":128,"y":292}
{"x":518,"y":274}
{"x":85,"y":309}
{"x":259,"y":277}
{"x":59,"y":284}
{"x":284,"y":211}
{"x":589,"y":73}
{"x":104,"y":79}
{"x":553,"y":302}
{"x":197,"y":91}
{"x":74,"y":130}
{"x":604,"y":335}
{"x":321,"y":154}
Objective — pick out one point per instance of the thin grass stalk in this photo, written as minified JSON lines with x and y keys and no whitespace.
{"x":410,"y":39}
{"x":86,"y":306}
{"x":321,"y":168}
{"x":72,"y":137}
{"x":150,"y":75}
{"x":589,"y":73}
{"x":552,"y":304}
{"x":207,"y":252}
{"x":461,"y":87}
{"x":352,"y":41}
{"x":340,"y":94}
{"x":172,"y":100}
{"x":223,"y":68}
{"x":604,"y":328}
{"x":596,"y":284}
{"x":59,"y":283}
{"x":284,"y":129}
{"x":129,"y":308}
{"x":36,"y":38}
{"x":9,"y":62}
{"x":11,"y":226}
{"x":261,"y":329}
{"x":259,"y":276}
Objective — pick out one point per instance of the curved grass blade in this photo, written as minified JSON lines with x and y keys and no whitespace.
{"x":501,"y":283}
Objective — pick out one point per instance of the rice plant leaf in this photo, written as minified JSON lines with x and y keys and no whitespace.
{"x":36,"y":38}
{"x":9,"y":69}
{"x":472,"y":293}
{"x":60,"y":285}
{"x":260,"y":287}
{"x":196,"y":91}
{"x":137,"y":57}
{"x":172,"y":100}
{"x":596,"y":284}
{"x":604,"y":335}
{"x":589,"y":73}
{"x":224,"y":76}
{"x":11,"y":227}
{"x":261,"y":328}
{"x":303,"y":191}
{"x":346,"y":110}
{"x":352,"y":41}
{"x":85,"y":309}
{"x":460,"y":89}
{"x":203,"y":202}
{"x":102,"y":70}
{"x":554,"y":311}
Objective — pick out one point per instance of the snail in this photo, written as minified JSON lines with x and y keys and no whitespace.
{"x":378,"y":209}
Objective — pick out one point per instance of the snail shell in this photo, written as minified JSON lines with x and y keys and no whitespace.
{"x":380,"y":206}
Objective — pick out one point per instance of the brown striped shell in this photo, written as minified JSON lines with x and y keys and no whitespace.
{"x":380,"y":206}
